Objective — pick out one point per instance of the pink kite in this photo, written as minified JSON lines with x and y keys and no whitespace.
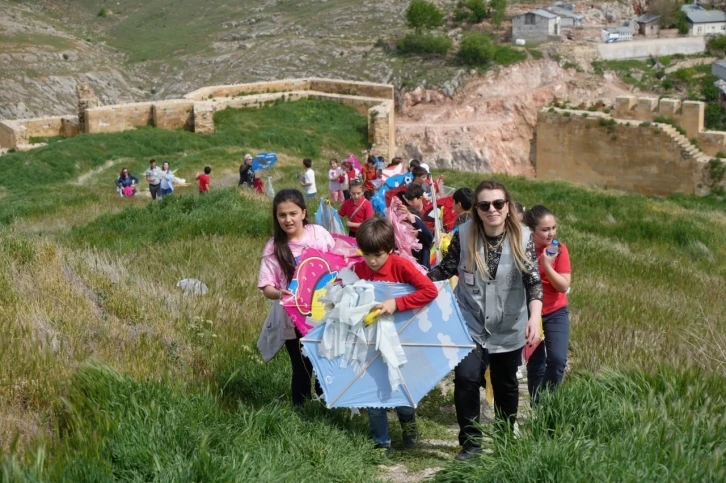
{"x":315,"y":269}
{"x":355,"y":163}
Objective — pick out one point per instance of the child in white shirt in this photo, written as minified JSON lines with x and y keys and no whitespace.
{"x":308,"y":179}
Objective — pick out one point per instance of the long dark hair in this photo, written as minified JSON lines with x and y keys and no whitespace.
{"x":534,"y":215}
{"x":282,"y":249}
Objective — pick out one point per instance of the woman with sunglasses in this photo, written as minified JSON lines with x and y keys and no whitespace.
{"x":126,"y":183}
{"x":500,"y":296}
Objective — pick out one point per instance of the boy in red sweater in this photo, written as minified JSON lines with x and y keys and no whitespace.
{"x":204,"y":180}
{"x":376,"y":240}
{"x":356,"y":208}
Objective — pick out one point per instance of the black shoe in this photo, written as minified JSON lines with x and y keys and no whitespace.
{"x":387,"y":449}
{"x":469,"y":452}
{"x":410,"y":439}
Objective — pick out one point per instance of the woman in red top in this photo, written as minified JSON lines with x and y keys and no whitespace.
{"x":546,"y":366}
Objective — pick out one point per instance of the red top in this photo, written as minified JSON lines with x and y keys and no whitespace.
{"x":203,"y":182}
{"x":552,"y":299}
{"x":399,"y":270}
{"x":348,"y":208}
{"x":369,"y":174}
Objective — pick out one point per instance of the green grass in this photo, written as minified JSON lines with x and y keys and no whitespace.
{"x":108,"y":372}
{"x":613,"y":427}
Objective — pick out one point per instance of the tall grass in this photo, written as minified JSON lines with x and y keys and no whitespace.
{"x":613,"y":427}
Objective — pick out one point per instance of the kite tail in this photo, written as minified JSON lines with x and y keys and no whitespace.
{"x":404,"y":233}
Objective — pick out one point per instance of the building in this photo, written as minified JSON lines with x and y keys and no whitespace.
{"x":718,"y":69}
{"x":649,"y":25}
{"x":566,"y":12}
{"x":704,"y":22}
{"x":536,"y":26}
{"x":616,"y":34}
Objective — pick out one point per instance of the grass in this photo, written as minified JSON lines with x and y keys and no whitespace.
{"x":108,"y":372}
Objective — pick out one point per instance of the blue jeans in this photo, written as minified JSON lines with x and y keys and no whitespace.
{"x":311,"y":195}
{"x":378,"y":420}
{"x":546,"y":366}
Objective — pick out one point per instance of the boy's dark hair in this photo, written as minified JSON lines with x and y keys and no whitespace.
{"x":414,"y":163}
{"x":356,"y":183}
{"x":414,"y":191}
{"x":375,"y":235}
{"x":152,"y":161}
{"x":519,"y":207}
{"x":308,"y":163}
{"x":207,"y":169}
{"x":465,"y":197}
{"x":371,"y":160}
{"x":419,"y":171}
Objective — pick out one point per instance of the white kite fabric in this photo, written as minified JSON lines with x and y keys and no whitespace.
{"x":346,"y":335}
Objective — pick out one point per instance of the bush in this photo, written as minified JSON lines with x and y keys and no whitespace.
{"x":102,"y":12}
{"x":536,"y":54}
{"x":507,"y":55}
{"x":477,"y":10}
{"x":668,"y":84}
{"x":499,"y":7}
{"x":423,"y":15}
{"x":477,"y":49}
{"x":424,"y":44}
{"x":716,"y":43}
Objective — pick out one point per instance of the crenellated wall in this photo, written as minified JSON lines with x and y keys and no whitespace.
{"x":629,"y":155}
{"x":196,"y":110}
{"x":689,"y":115}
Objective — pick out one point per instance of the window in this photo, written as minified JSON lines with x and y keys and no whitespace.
{"x":723,"y":27}
{"x":698,"y":30}
{"x":529,"y":19}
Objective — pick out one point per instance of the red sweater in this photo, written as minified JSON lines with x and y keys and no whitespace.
{"x":400,"y":270}
{"x":552,"y":299}
{"x":365,"y":211}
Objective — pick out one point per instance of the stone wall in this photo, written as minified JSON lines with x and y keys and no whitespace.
{"x":196,"y":111}
{"x":616,"y":154}
{"x":688,"y":115}
{"x":642,"y":49}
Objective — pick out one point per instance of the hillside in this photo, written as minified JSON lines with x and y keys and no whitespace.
{"x":108,"y":372}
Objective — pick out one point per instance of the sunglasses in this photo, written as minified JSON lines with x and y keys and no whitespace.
{"x":484,"y":205}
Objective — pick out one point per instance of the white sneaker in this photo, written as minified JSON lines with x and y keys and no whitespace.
{"x":520,"y":374}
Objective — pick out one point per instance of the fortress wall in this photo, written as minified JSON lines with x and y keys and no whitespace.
{"x":119,"y":117}
{"x":632,"y":158}
{"x":174,"y":114}
{"x":207,"y":93}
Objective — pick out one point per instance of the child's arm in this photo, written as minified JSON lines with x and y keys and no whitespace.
{"x":426,"y":292}
{"x":425,"y":237}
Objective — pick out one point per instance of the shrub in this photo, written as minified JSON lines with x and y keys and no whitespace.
{"x":477,"y":49}
{"x":477,"y":10}
{"x":102,"y":12}
{"x":498,"y":7}
{"x":536,"y":54}
{"x":716,"y":43}
{"x":668,"y":84}
{"x":423,"y":15}
{"x":505,"y":55}
{"x":424,"y":44}
{"x":645,"y":124}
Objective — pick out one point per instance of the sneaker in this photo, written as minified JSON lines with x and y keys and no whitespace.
{"x":520,"y":374}
{"x":469,"y":452}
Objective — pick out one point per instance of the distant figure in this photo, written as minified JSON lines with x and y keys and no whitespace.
{"x":204,"y":180}
{"x":153,"y":176}
{"x":357,"y":208}
{"x":308,"y":179}
{"x":126,"y":183}
{"x":421,"y":177}
{"x":369,"y":174}
{"x":246,"y":173}
{"x":168,"y":179}
{"x":345,"y":179}
{"x":520,"y":211}
{"x":334,"y":181}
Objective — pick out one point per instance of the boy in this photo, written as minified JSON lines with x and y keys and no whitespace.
{"x":308,"y":179}
{"x":463,"y":201}
{"x":376,"y":240}
{"x":357,"y":208}
{"x":369,"y":174}
{"x":204,"y":180}
{"x":421,"y":177}
{"x":415,"y":201}
{"x":153,"y":176}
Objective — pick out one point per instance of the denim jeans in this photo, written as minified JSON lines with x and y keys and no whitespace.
{"x":469,"y":377}
{"x":378,"y":420}
{"x":546,"y":366}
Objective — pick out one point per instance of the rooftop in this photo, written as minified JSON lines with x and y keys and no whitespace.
{"x":698,"y":14}
{"x":647,"y":18}
{"x":544,"y":13}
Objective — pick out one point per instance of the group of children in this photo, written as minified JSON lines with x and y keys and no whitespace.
{"x":376,"y":241}
{"x":161,"y":181}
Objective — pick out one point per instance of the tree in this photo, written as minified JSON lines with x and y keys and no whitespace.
{"x":682,"y":23}
{"x":477,"y":49}
{"x":498,"y":7}
{"x":478,"y":10}
{"x":423,"y":15}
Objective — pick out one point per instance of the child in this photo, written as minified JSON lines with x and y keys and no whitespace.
{"x":346,"y":177}
{"x":546,"y":365}
{"x":292,"y":233}
{"x":308,"y":179}
{"x":357,"y":209}
{"x":421,"y":177}
{"x":376,"y":240}
{"x":204,"y":180}
{"x":414,"y":199}
{"x":369,"y":174}
{"x":463,"y":201}
{"x":334,"y":182}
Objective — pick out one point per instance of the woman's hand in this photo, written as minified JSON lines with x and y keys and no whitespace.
{"x":532,"y":332}
{"x":388,"y":307}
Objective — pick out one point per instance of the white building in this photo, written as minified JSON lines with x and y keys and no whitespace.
{"x":616,"y":34}
{"x":536,"y":26}
{"x":704,"y":22}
